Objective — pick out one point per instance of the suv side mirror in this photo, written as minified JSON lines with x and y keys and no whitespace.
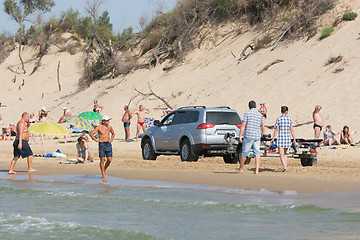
{"x":157,"y":123}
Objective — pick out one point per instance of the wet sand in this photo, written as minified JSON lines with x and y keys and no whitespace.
{"x":337,"y":170}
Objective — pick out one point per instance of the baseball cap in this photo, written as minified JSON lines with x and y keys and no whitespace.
{"x":64,"y":108}
{"x":105,"y":118}
{"x":44,"y":109}
{"x":262,"y":102}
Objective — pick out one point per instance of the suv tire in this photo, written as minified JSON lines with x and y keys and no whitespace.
{"x":232,"y":159}
{"x":186,"y":153}
{"x":148,"y":152}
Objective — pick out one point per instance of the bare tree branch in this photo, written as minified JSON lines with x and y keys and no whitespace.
{"x":152,"y":93}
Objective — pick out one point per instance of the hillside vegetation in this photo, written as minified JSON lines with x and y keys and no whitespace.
{"x":173,"y":34}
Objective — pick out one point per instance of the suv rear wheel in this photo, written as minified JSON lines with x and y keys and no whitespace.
{"x":148,"y":152}
{"x":186,"y":153}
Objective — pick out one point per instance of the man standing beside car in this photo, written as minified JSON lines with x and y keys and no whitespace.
{"x":252,"y":127}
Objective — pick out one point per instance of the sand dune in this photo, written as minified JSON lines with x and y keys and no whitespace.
{"x":209,"y":76}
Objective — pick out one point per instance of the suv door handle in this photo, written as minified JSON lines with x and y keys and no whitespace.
{"x":181,"y":128}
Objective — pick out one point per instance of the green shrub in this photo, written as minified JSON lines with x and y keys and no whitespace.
{"x":350,"y":16}
{"x":84,"y":28}
{"x":69,"y":19}
{"x":126,"y":38}
{"x":327,"y":6}
{"x":225,"y":6}
{"x":152,"y":41}
{"x":285,"y":19}
{"x":326,"y":32}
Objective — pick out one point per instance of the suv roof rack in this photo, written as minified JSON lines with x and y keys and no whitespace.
{"x":193,"y":107}
{"x":224,"y":107}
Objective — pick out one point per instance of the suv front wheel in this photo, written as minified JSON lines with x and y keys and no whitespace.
{"x":148,"y":152}
{"x":186,"y":153}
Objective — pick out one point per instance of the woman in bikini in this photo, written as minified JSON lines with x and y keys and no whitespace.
{"x":346,"y":136}
{"x":263,"y":110}
{"x":83,"y":152}
{"x":97,"y":108}
{"x":32,"y":121}
{"x":43,"y":117}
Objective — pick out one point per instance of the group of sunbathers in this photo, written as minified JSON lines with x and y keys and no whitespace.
{"x":345,"y":136}
{"x":329,"y":134}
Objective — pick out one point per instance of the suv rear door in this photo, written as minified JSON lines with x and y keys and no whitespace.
{"x":224,"y":122}
{"x":185,"y":122}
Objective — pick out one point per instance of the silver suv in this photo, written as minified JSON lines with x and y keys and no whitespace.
{"x":192,"y":132}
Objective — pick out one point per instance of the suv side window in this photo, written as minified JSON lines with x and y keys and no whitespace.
{"x":179,"y":118}
{"x":191,"y":116}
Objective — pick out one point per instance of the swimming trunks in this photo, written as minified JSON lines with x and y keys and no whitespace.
{"x":24,"y":152}
{"x":141,"y":123}
{"x":126,"y":124}
{"x":105,"y":149}
{"x":265,"y":116}
{"x":13,"y":134}
{"x":315,"y":125}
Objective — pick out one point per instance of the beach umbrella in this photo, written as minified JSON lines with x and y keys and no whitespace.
{"x":48,"y":128}
{"x":80,"y":124}
{"x":90,"y":115}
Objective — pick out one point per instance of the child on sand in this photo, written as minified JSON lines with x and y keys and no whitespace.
{"x":329,"y":137}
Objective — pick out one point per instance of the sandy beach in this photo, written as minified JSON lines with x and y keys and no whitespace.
{"x":337,"y":170}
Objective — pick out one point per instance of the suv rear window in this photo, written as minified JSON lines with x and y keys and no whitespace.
{"x":218,"y":118}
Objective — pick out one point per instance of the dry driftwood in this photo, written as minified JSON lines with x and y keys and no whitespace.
{"x":58,"y":75}
{"x":243,"y":54}
{"x":151,"y":93}
{"x":338,"y":70}
{"x":14,"y":79}
{"x":269,"y":65}
{"x":279,"y":39}
{"x":41,"y":55}
{"x":334,"y":60}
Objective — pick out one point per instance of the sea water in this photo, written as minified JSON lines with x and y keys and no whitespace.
{"x":81,"y":207}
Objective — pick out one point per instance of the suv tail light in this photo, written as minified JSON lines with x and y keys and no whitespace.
{"x":238,"y":126}
{"x":205,"y":126}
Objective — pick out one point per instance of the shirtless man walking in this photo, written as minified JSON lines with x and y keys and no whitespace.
{"x":21,"y":146}
{"x":105,"y":147}
{"x":318,"y":121}
{"x":126,"y":120}
{"x":141,"y":119}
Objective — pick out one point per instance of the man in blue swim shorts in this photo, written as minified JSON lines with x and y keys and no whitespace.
{"x":21,"y":146}
{"x":126,"y":120}
{"x":105,"y":148}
